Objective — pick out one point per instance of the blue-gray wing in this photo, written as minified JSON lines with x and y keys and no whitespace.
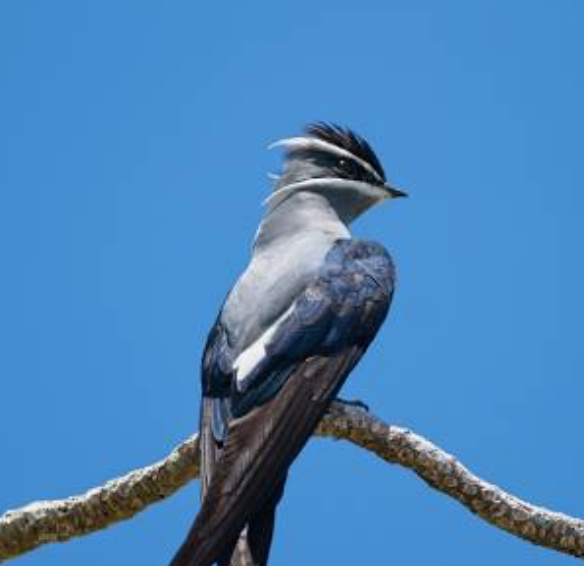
{"x":268,"y":417}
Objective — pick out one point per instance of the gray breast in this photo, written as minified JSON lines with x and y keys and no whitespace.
{"x":271,"y":283}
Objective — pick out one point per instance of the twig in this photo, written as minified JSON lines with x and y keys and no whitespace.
{"x":27,"y":528}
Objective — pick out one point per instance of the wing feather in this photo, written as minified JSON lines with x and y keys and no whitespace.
{"x":259,"y":449}
{"x":307,"y":361}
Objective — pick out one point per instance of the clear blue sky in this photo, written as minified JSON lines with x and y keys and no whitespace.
{"x":133,"y":162}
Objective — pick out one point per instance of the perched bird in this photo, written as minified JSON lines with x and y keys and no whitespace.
{"x":288,"y":335}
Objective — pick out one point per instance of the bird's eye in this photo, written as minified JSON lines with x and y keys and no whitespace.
{"x":346,"y":168}
{"x":345,"y":165}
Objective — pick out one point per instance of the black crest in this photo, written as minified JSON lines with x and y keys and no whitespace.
{"x":346,"y":139}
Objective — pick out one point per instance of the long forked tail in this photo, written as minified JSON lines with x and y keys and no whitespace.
{"x":249,"y":476}
{"x":250,"y":548}
{"x":254,"y":542}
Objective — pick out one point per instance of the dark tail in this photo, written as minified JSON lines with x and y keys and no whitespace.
{"x":251,"y":548}
{"x":249,"y":476}
{"x":253,"y":545}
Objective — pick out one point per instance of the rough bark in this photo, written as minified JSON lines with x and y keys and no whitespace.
{"x":24,"y":529}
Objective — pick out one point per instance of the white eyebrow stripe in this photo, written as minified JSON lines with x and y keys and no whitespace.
{"x":322,"y":182}
{"x":315,"y":143}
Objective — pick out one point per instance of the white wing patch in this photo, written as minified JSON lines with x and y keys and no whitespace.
{"x":253,"y":355}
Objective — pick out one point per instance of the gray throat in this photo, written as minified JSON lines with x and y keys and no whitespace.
{"x":289,"y":248}
{"x":300,"y":214}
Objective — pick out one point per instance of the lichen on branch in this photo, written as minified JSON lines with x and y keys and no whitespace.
{"x":24,"y":529}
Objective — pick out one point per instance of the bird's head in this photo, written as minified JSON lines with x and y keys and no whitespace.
{"x":336,"y":163}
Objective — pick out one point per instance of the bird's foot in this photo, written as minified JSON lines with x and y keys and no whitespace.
{"x":353,"y":403}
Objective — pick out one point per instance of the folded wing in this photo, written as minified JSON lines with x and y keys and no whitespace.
{"x":253,"y":431}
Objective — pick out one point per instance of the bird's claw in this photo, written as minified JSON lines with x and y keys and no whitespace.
{"x":354,"y":403}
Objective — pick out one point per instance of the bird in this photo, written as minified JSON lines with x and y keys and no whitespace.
{"x":289,"y":333}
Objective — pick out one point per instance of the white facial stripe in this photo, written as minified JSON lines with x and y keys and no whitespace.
{"x":252,"y":356}
{"x":321,"y":145}
{"x":322,"y":183}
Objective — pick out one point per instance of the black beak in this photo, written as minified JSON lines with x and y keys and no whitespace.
{"x":394,"y":193}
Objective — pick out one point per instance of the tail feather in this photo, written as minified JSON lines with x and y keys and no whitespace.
{"x":253,"y":546}
{"x":258,"y":452}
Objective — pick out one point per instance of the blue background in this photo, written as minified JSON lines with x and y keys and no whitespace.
{"x":132,"y":143}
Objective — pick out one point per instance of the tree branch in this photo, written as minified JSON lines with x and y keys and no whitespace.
{"x":27,"y":528}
